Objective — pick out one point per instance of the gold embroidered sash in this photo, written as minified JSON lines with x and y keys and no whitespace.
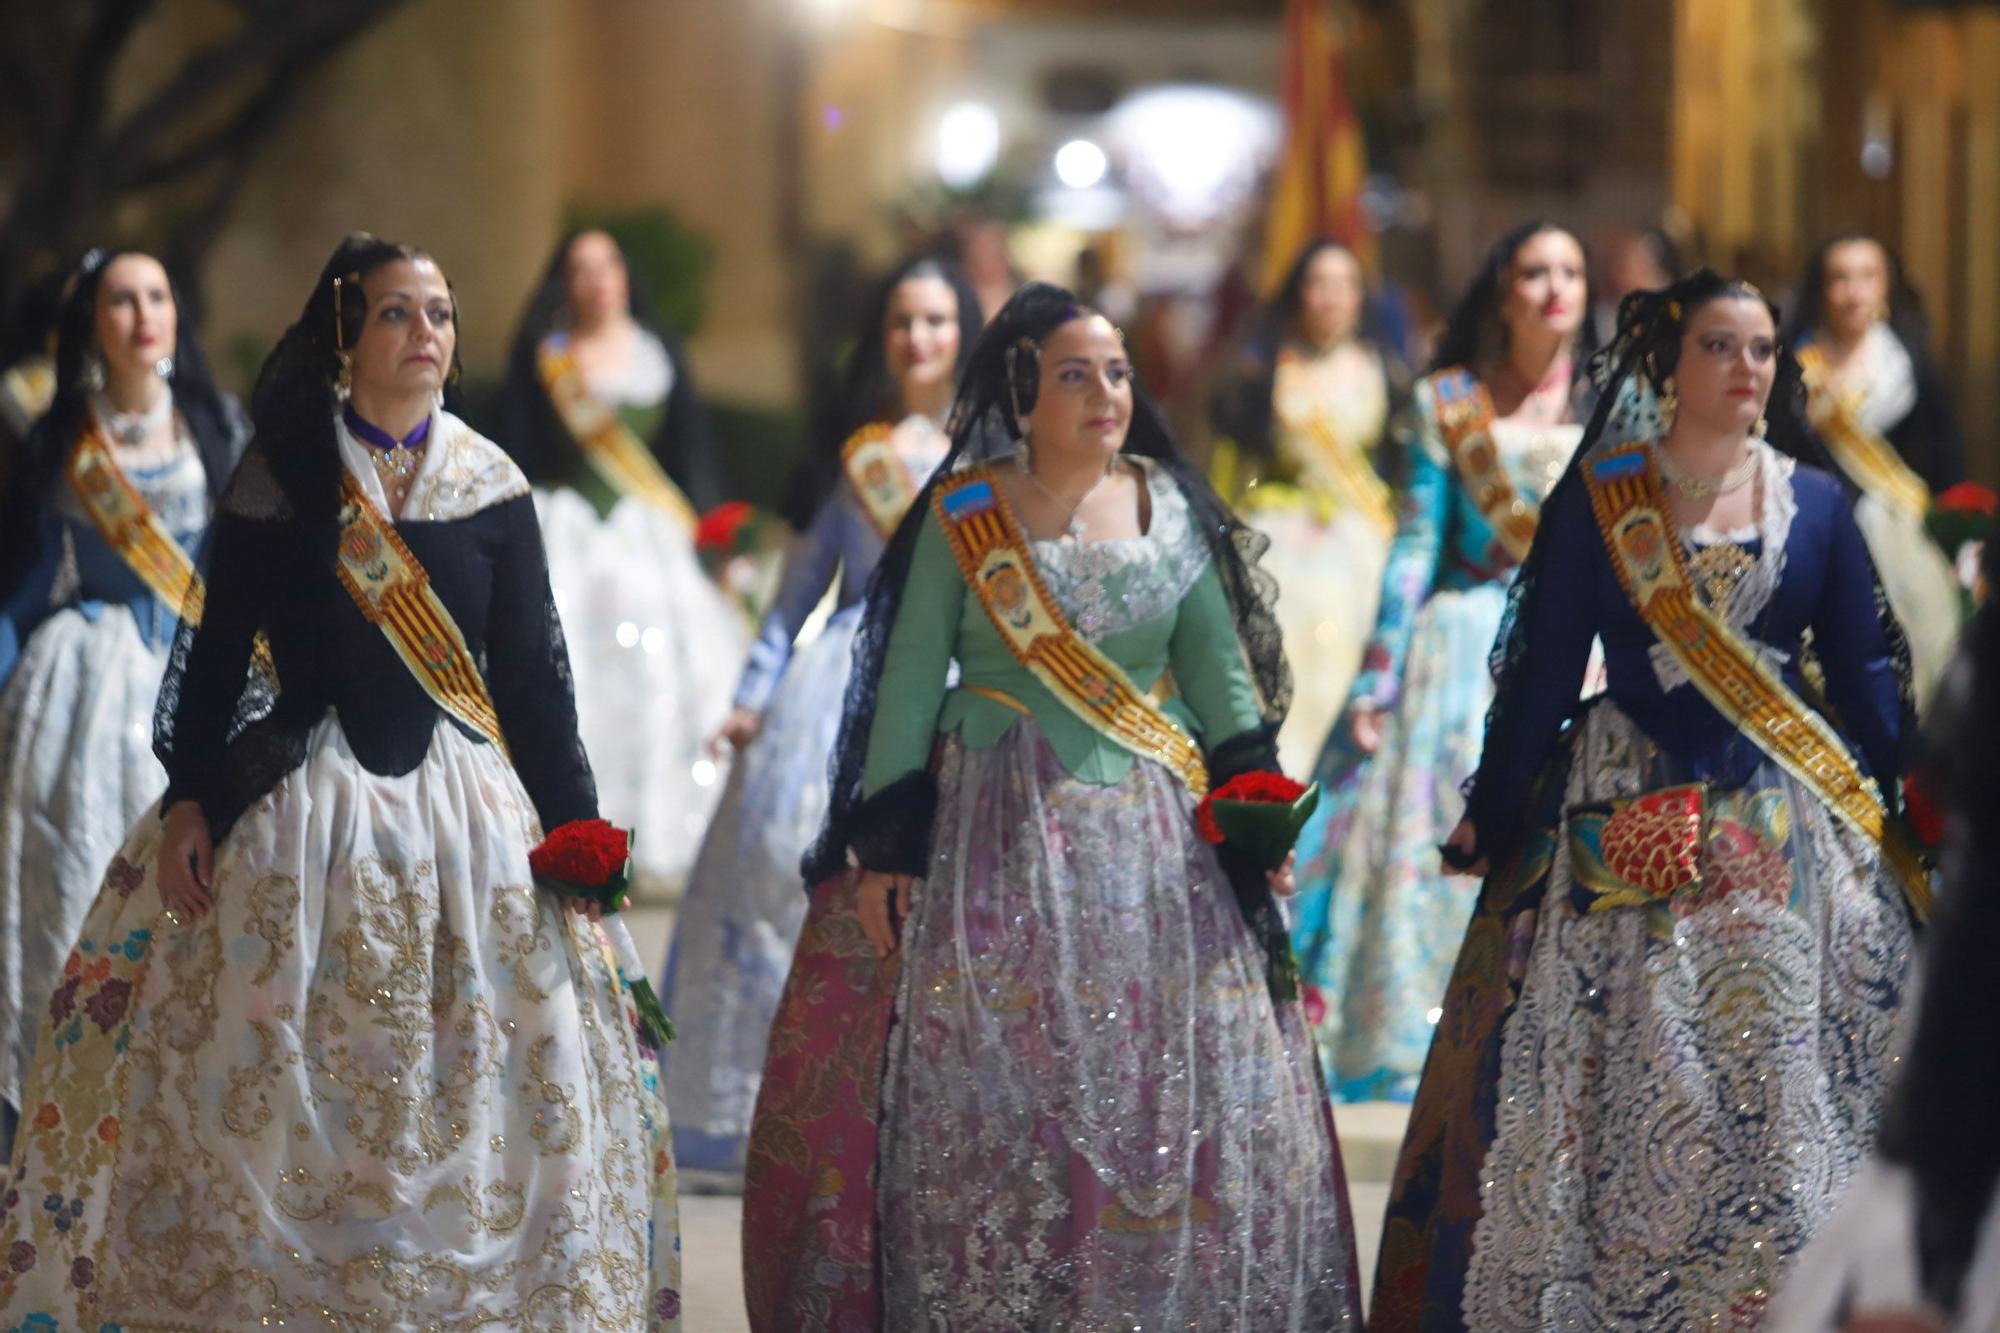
{"x":1869,"y":459}
{"x":613,"y":451}
{"x":993,"y":555}
{"x":131,"y":529}
{"x":394,"y":594}
{"x":1631,"y":510}
{"x":881,"y":480}
{"x":1465,"y":419}
{"x":1344,"y":470}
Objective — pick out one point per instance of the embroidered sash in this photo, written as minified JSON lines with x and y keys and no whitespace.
{"x":993,"y":554}
{"x":394,"y":594}
{"x":1465,"y":420}
{"x":131,"y":529}
{"x":1631,"y":510}
{"x":613,"y":451}
{"x":879,"y":476}
{"x":1344,"y":470}
{"x":1869,"y":459}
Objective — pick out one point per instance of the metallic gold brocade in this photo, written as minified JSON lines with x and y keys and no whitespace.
{"x":383,"y":1083}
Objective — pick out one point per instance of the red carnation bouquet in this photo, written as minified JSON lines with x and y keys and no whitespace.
{"x":1258,"y":814}
{"x":728,"y":529}
{"x":586,"y":858}
{"x":592,"y":859}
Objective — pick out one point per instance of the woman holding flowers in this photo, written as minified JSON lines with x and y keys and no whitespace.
{"x":1097,"y":1102}
{"x":1665,"y":1047}
{"x":325,"y":1055}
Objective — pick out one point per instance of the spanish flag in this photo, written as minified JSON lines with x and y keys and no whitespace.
{"x":1316,"y":189}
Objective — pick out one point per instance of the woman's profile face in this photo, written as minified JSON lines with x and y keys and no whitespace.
{"x":920,"y":333}
{"x":1083,"y":404}
{"x":596,"y":285}
{"x":410,"y":331}
{"x":137,"y":321}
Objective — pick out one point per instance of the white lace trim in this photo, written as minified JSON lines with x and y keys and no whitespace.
{"x":1886,"y":377}
{"x":463,"y":472}
{"x":1107,"y":587}
{"x":1774,"y":528}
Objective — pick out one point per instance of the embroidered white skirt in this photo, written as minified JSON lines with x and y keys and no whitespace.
{"x":655,"y":648}
{"x":383,"y":1082}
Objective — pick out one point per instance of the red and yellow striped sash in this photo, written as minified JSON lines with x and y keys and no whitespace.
{"x":1870,"y":460}
{"x":131,"y":529}
{"x":613,"y":451}
{"x":394,"y":594}
{"x":1631,"y":510}
{"x":993,"y":555}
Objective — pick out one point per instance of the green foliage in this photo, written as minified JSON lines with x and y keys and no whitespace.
{"x":672,"y":259}
{"x":758,"y":445}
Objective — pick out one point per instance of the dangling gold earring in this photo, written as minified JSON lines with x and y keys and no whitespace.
{"x":343,"y":382}
{"x":1669,"y":404}
{"x":1763,"y":424}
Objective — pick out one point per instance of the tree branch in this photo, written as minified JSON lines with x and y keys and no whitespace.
{"x":295,"y":36}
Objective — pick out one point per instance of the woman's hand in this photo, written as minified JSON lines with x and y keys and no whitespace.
{"x":588,"y":907}
{"x":883,"y":905}
{"x":187,"y":861}
{"x":1282,"y":880}
{"x":737,"y":730}
{"x":1365,"y":724}
{"x":1465,"y":839}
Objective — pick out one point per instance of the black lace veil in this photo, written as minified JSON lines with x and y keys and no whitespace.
{"x":1629,"y":374}
{"x":291,"y":471}
{"x":983,"y":426}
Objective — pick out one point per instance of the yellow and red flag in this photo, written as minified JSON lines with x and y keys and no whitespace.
{"x":1316,"y":189}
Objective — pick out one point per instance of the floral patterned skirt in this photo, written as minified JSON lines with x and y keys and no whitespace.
{"x":1092,"y":1114}
{"x":384,"y":1082}
{"x":1641,"y":1106}
{"x":1377,"y":919}
{"x":76,"y":768}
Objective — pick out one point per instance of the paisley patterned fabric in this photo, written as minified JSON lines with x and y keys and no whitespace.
{"x":384,"y":1082}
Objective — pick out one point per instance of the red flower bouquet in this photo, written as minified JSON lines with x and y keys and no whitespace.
{"x":586,"y":858}
{"x":1257,"y":813}
{"x":726,"y":530}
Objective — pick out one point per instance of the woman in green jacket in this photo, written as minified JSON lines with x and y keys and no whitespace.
{"x":1038,"y":1063}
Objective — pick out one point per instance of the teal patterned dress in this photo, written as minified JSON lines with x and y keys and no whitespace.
{"x":1377,"y":919}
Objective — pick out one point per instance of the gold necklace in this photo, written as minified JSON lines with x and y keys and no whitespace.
{"x":1702,"y":488}
{"x":398,"y":464}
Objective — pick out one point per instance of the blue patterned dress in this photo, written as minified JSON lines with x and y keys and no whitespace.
{"x":733,"y":942}
{"x":1377,"y":918}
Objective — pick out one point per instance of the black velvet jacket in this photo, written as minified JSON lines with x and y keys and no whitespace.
{"x":489,"y":570}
